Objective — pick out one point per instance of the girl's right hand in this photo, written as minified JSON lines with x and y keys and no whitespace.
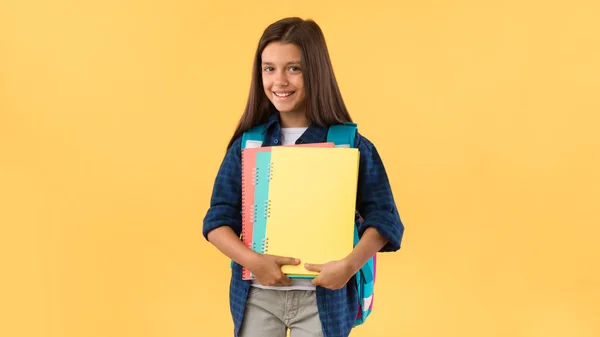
{"x":267,"y":269}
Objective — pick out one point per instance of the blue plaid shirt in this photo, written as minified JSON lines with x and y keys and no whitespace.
{"x":375,"y":203}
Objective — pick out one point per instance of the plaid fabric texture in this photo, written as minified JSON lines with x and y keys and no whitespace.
{"x":375,"y":203}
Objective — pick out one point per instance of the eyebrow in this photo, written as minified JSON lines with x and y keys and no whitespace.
{"x":270,"y":64}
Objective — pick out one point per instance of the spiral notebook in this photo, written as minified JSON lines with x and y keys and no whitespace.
{"x":255,"y":194}
{"x":249,"y":208}
{"x":311,"y":205}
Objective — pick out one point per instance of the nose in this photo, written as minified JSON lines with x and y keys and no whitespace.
{"x":281,"y":79}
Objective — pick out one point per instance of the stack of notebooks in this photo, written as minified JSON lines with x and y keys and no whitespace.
{"x":299,"y":201}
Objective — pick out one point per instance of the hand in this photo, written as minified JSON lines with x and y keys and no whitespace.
{"x":332,"y":275}
{"x":267,"y":269}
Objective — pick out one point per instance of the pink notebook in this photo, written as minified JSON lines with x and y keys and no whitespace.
{"x":248,"y":206}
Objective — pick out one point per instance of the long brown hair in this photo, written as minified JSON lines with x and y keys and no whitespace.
{"x":324,"y":103}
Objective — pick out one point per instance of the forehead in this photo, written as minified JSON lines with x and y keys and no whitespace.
{"x":277,"y":52}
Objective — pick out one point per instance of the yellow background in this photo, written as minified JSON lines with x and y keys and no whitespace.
{"x":114,"y":116}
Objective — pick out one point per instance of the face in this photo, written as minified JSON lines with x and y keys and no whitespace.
{"x":282,"y":78}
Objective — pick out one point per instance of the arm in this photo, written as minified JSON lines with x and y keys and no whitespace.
{"x":375,"y":200}
{"x":370,"y":243}
{"x":229,"y":244}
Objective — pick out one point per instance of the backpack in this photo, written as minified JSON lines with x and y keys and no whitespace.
{"x":342,"y":135}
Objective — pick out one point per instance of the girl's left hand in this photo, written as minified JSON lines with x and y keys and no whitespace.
{"x":332,"y":275}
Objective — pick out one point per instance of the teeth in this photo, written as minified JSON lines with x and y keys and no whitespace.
{"x":283,"y":94}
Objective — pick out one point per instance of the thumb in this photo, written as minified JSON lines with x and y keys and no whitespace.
{"x":286,"y":281}
{"x":281,"y":260}
{"x":316,"y":281}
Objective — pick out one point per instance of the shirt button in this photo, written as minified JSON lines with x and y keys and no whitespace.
{"x":300,"y":141}
{"x":275,"y":141}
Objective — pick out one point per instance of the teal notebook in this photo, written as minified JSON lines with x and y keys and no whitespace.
{"x":261,"y":200}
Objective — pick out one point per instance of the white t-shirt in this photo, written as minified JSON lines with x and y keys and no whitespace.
{"x":289,"y":136}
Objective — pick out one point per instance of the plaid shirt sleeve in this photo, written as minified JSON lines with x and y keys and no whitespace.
{"x":226,"y":202}
{"x":375,"y":201}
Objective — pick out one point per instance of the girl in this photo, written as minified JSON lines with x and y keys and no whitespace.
{"x":295,"y":93}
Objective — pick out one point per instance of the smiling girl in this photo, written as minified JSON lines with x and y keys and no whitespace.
{"x":294,"y":93}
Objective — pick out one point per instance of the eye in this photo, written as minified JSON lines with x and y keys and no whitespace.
{"x":294,"y":68}
{"x":268,"y":69}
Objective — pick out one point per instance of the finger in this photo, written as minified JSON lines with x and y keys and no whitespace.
{"x":314,"y":267}
{"x":316,"y":281}
{"x":281,"y":260}
{"x":286,"y":281}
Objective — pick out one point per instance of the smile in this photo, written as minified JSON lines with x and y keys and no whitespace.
{"x":282,"y":94}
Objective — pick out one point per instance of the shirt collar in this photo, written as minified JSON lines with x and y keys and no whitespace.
{"x":314,"y":134}
{"x":273,"y":120}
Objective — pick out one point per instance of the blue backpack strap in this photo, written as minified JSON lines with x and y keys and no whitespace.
{"x":342,"y":135}
{"x":253,"y":137}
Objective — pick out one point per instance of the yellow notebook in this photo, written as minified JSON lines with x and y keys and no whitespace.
{"x":312,"y":196}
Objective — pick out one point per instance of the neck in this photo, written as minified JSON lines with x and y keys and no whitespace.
{"x":293,"y":120}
